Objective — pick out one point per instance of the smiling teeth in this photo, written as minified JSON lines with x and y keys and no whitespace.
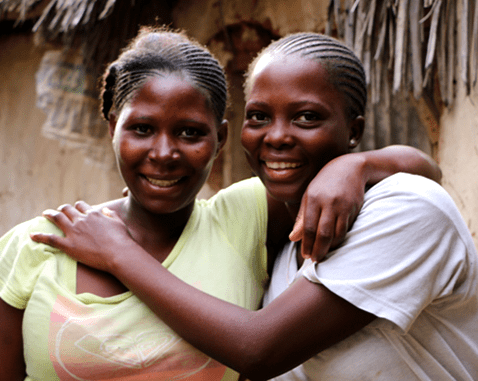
{"x":282,"y":165}
{"x":162,"y":183}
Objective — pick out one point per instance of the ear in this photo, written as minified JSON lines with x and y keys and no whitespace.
{"x":112,"y":125}
{"x":222,"y":135}
{"x":356,"y":131}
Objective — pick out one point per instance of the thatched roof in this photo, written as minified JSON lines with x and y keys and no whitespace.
{"x":101,"y":27}
{"x":413,"y":40}
{"x":410,"y":39}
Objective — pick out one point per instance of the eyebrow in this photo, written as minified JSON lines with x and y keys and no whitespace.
{"x":293,"y":104}
{"x":197,"y":122}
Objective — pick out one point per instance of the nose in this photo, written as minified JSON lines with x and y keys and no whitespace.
{"x":278,"y":135}
{"x":164,"y":149}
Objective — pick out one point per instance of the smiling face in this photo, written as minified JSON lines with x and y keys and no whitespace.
{"x":166,"y":139}
{"x":296,"y":122}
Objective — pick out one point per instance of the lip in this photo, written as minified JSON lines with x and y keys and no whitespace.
{"x":162,"y":183}
{"x":282,"y":170}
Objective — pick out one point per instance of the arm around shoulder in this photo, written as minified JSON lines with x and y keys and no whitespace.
{"x":387,"y":161}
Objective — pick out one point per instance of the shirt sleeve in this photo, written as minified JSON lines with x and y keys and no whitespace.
{"x":22,"y":260}
{"x":408,"y":249}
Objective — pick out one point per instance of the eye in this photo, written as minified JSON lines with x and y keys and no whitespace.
{"x":308,"y":117}
{"x":191,"y":132}
{"x":256,"y":117}
{"x":142,"y":129}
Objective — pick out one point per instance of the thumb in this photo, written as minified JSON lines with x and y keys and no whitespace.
{"x":298,"y":230}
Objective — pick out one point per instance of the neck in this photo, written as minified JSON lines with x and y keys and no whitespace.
{"x":293,"y":209}
{"x":156,"y":233}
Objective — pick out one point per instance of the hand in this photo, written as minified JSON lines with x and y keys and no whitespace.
{"x":92,"y":237}
{"x":329,"y":206}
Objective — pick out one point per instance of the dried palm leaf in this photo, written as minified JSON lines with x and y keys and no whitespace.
{"x":464,"y":53}
{"x":441,"y":55}
{"x":451,"y":21}
{"x":382,"y":26}
{"x":474,"y":48}
{"x":401,"y":44}
{"x":339,"y":21}
{"x":415,"y":46}
{"x":330,"y":18}
{"x":349,"y":33}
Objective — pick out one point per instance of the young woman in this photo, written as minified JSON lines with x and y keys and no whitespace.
{"x":164,"y":99}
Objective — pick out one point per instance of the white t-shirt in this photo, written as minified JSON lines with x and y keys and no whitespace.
{"x":410,"y":260}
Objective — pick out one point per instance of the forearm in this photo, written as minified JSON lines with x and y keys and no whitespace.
{"x":260,"y":344}
{"x":193,"y":314}
{"x":379,"y":164}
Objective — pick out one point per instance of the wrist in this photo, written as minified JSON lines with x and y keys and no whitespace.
{"x":362,"y":164}
{"x":372,"y":167}
{"x":121,"y":261}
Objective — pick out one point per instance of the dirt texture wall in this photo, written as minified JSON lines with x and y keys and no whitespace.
{"x":37,"y":173}
{"x":458,"y":156}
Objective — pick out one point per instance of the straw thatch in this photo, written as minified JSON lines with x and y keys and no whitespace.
{"x":100,"y":27}
{"x":413,"y":40}
{"x":407,"y":47}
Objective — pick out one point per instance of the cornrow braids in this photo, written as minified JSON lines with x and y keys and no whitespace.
{"x":156,"y":52}
{"x":345,"y":70}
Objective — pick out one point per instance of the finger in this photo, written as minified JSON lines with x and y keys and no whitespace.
{"x":48,"y":239}
{"x":312,"y":219}
{"x":59,"y":218}
{"x":83,"y":207}
{"x":341,"y":228}
{"x":324,"y":236}
{"x":296,"y":233}
{"x":69,"y":211}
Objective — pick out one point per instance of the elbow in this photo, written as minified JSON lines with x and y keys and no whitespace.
{"x":257,"y":371}
{"x":260,"y":363}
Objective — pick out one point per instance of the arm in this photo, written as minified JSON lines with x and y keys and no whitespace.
{"x":335,"y":196}
{"x":308,"y":317}
{"x":11,"y":343}
{"x":304,"y":320}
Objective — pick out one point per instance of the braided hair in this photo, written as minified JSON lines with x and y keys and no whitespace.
{"x":154,"y":52}
{"x":345,"y":70}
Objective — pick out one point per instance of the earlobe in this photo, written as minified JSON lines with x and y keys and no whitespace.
{"x":356,"y":131}
{"x":222,"y":135}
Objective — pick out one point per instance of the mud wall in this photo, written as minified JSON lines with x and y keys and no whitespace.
{"x":37,"y":173}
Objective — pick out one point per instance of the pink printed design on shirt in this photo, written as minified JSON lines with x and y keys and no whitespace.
{"x":90,"y":344}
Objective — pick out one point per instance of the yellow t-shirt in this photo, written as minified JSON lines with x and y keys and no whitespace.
{"x":86,"y":337}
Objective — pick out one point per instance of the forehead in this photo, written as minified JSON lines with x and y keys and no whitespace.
{"x":292,"y":76}
{"x":173,"y":93}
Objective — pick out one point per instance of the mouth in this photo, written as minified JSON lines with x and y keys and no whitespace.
{"x":281,"y":165}
{"x":162,"y":183}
